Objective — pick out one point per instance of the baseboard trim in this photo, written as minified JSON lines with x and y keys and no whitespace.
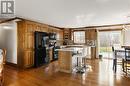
{"x":11,"y":64}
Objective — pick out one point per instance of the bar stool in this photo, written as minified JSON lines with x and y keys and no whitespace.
{"x":86,"y":51}
{"x":80,"y":67}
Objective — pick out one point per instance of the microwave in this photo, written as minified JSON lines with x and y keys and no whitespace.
{"x":52,"y":36}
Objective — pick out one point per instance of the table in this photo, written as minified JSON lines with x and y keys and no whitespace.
{"x":125,"y":46}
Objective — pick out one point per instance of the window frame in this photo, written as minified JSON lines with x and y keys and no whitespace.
{"x":84,"y":37}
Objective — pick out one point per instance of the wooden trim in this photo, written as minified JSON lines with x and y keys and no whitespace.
{"x":8,"y":20}
{"x":78,"y":30}
{"x":84,"y":29}
{"x":102,"y":30}
{"x":101,"y":26}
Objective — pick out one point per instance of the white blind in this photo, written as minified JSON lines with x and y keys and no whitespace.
{"x":79,"y":37}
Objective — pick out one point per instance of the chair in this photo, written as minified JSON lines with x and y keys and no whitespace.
{"x":86,"y":54}
{"x":126,"y":61}
{"x":117,"y":56}
{"x":81,"y":63}
{"x":2,"y":62}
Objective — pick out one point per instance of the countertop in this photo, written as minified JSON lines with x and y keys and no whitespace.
{"x":73,"y":48}
{"x":68,"y":49}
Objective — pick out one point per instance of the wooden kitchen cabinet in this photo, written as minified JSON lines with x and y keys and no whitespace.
{"x":51,"y":54}
{"x":25,"y":36}
{"x":91,"y":34}
{"x":65,"y":61}
{"x":67,"y":34}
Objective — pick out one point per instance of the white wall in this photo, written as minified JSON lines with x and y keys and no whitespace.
{"x":8,"y":40}
{"x":2,"y":37}
{"x":127,"y":37}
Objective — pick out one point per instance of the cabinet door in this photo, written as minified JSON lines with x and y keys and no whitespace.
{"x":28,"y":58}
{"x":67,"y":34}
{"x":29,"y":41}
{"x":50,"y":55}
{"x":91,"y":34}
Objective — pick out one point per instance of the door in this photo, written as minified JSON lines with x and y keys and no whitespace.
{"x":106,"y":41}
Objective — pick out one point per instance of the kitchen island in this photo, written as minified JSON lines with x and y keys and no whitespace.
{"x":67,"y":60}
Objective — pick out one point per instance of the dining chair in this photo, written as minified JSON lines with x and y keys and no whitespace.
{"x":2,"y":62}
{"x":117,"y":56}
{"x":126,"y":61}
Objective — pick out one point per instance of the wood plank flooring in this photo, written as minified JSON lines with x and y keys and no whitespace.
{"x":100,"y":74}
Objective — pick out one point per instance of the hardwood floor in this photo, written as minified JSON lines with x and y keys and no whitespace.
{"x":100,"y":74}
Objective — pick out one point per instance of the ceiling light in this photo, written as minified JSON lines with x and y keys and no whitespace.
{"x":6,"y":27}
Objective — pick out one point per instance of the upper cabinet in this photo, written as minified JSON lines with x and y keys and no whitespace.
{"x":91,"y":34}
{"x":67,"y":34}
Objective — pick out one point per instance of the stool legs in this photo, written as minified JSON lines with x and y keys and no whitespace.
{"x":77,"y":62}
{"x":79,"y":65}
{"x":114,"y":65}
{"x":123,"y":65}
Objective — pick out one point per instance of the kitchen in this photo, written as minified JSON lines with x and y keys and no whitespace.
{"x":32,"y":37}
{"x":26,"y":43}
{"x":64,"y":43}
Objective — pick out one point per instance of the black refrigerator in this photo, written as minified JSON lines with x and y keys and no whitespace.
{"x":41,"y":48}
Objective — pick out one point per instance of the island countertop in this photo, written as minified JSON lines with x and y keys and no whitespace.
{"x":67,"y":60}
{"x":72,"y":47}
{"x":69,"y":49}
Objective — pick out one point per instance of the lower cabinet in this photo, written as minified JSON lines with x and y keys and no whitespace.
{"x":51,"y":54}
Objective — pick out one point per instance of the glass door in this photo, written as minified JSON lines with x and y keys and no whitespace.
{"x":106,"y":40}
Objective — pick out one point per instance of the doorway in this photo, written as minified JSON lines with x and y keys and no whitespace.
{"x":106,"y":41}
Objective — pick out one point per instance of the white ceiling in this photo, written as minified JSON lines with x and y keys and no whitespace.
{"x":74,"y":13}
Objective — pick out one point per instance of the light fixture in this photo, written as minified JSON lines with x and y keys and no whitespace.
{"x":6,"y":27}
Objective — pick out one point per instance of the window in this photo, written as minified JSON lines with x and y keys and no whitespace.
{"x":79,"y":37}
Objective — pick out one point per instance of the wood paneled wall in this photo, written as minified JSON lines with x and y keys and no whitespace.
{"x":25,"y":40}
